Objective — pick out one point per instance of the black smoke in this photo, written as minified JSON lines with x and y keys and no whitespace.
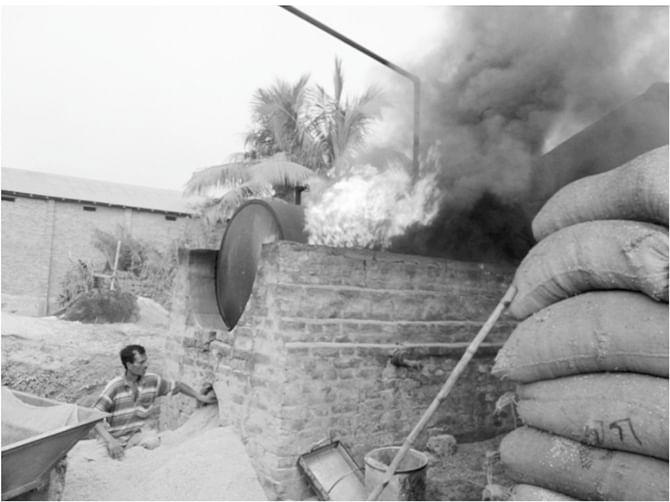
{"x":490,"y":230}
{"x":503,"y":86}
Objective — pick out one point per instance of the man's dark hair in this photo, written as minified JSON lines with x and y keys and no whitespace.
{"x":128,"y":354}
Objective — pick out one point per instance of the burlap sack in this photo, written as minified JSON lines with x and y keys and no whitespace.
{"x":617,"y":411}
{"x":636,"y":190}
{"x":597,"y":255}
{"x":592,"y":332}
{"x":586,"y":473}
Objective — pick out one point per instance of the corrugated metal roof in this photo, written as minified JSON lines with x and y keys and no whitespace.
{"x":56,"y":186}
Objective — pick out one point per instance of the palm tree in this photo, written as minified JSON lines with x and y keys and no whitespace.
{"x":299,"y":133}
{"x":336,"y":125}
{"x":277,"y":114}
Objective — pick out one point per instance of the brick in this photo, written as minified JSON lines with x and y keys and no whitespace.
{"x":262,"y":359}
{"x":325,"y":351}
{"x":347,"y":362}
{"x":239,"y":365}
{"x":344,"y":407}
{"x":327,"y":329}
{"x":298,"y":350}
{"x":329,"y":373}
{"x":189,"y":342}
{"x":243,"y":343}
{"x":345,"y":374}
{"x":220,"y":349}
{"x":286,"y":325}
{"x":364,"y":373}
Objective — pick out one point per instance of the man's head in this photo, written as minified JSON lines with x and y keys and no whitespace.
{"x":133,"y":357}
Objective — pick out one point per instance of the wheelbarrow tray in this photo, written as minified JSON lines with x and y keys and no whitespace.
{"x":27,"y":463}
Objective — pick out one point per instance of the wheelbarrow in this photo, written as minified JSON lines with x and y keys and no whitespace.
{"x":36,"y":434}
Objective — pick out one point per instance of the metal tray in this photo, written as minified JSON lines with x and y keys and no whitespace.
{"x":333,"y":473}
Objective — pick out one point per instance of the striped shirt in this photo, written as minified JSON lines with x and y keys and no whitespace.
{"x":129,"y":410}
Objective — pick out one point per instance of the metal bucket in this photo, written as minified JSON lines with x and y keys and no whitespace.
{"x":409,"y":480}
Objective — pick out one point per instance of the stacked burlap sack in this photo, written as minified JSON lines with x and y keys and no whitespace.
{"x":590,"y":353}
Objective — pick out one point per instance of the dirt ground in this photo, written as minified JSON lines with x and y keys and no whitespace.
{"x":71,"y":362}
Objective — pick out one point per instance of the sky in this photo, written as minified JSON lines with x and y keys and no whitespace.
{"x":147,"y":95}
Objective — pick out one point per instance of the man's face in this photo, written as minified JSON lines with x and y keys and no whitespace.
{"x":139,"y":367}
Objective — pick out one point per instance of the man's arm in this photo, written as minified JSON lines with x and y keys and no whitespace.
{"x":105,"y":404}
{"x":209,"y":398}
{"x":114,"y":447}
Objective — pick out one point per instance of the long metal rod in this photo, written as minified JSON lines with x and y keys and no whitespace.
{"x":445,"y":390}
{"x":415,"y":80}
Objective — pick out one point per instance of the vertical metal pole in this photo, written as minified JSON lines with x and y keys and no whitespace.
{"x":51,"y":217}
{"x":116,"y":265}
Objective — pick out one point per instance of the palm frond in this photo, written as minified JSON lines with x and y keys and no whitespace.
{"x":338,"y":82}
{"x":221,"y":208}
{"x":277,"y":112}
{"x":225,"y":174}
{"x":370,"y":102}
{"x":278,"y":170}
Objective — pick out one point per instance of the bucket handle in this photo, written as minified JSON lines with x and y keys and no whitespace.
{"x":353,"y":471}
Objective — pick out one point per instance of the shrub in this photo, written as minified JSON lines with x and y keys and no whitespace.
{"x":154,"y":268}
{"x":132,"y":253}
{"x":103,"y":306}
{"x":79,"y":279}
{"x":157,"y":273}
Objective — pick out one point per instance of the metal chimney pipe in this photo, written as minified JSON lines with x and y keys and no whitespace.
{"x":414,"y":79}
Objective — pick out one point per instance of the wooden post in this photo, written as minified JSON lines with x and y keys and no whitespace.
{"x":446,"y":389}
{"x":116,"y":264}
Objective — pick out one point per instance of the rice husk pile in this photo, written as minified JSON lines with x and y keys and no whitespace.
{"x":198,"y":461}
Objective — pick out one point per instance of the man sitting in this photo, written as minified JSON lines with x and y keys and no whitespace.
{"x":130,"y":398}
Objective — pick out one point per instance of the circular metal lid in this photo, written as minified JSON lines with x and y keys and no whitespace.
{"x":256,"y":222}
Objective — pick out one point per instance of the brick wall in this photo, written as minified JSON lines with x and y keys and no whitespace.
{"x":41,"y":239}
{"x":26,"y":236}
{"x":312,"y":356}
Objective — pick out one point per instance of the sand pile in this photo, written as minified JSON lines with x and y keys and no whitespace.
{"x":151,"y":313}
{"x":198,"y":461}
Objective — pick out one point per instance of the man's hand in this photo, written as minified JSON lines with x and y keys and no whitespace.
{"x":209,"y":398}
{"x":205,"y":396}
{"x":115,"y":449}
